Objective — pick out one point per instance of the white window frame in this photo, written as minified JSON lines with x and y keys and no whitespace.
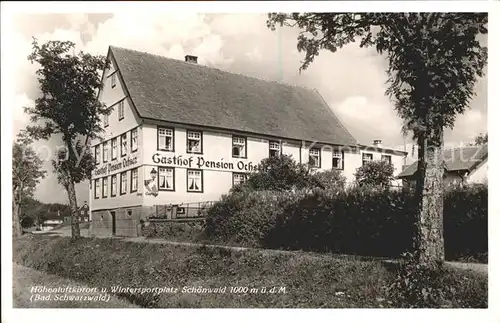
{"x":196,"y":136}
{"x":106,"y":120}
{"x":275,"y":146}
{"x":340,"y":156}
{"x":194,"y":175}
{"x":121,"y":110}
{"x":315,"y":154}
{"x":97,"y":188}
{"x":114,"y":148}
{"x":166,"y":133}
{"x":166,"y":172}
{"x":386,"y":158}
{"x":136,"y":137}
{"x":113,"y":80}
{"x":366,"y":157}
{"x":97,"y":154}
{"x":105,"y":188}
{"x":105,"y":152}
{"x":114,"y":185}
{"x":123,"y":182}
{"x":134,"y":179}
{"x":241,"y":143}
{"x":123,"y":145}
{"x":242,"y":178}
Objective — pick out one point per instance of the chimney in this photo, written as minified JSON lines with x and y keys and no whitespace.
{"x":377,"y":143}
{"x":191,"y":59}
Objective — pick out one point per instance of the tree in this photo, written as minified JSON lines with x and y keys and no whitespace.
{"x":434,"y":61}
{"x":330,"y":179}
{"x":69,"y":108}
{"x":480,"y":140}
{"x":27,"y":171}
{"x":278,"y":173}
{"x":375,"y":173}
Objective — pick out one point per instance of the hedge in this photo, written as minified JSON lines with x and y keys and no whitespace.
{"x":359,"y":221}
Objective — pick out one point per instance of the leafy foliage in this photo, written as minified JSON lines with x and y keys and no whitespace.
{"x":375,"y":173}
{"x":68,"y":107}
{"x":278,"y":173}
{"x":359,"y":220}
{"x":330,"y":179}
{"x":27,"y":171}
{"x":480,"y":140}
{"x":434,"y":61}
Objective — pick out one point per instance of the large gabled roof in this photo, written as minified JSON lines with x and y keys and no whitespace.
{"x":458,"y":159}
{"x":176,"y":91}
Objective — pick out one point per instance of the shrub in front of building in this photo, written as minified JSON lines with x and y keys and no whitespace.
{"x":359,"y":220}
{"x":375,"y":173}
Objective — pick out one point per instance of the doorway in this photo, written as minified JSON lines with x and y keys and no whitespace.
{"x":113,"y":223}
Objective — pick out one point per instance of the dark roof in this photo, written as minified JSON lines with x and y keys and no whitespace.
{"x":172,"y":90}
{"x":458,"y":159}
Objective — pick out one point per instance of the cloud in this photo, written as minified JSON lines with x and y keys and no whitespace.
{"x":351,"y":80}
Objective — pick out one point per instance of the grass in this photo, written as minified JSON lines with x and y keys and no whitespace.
{"x":309,"y":280}
{"x":24,"y":278}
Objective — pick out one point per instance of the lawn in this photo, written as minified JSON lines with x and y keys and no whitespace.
{"x":182,"y":272}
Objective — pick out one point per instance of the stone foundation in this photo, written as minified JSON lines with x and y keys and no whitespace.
{"x":127,"y":221}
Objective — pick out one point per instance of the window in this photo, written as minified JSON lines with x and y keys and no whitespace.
{"x":121,"y":110}
{"x":123,"y":144}
{"x":134,"y":140}
{"x":123,"y":183}
{"x":113,"y":80}
{"x":367,"y":158}
{"x":338,"y":160}
{"x":106,"y":120}
{"x":113,"y":185}
{"x":105,"y":187}
{"x":166,"y":179}
{"x":239,"y":147}
{"x":387,"y":158}
{"x":194,"y":142}
{"x":134,"y":180}
{"x":239,"y":178}
{"x":105,"y":152}
{"x":194,"y":180}
{"x":165,"y":139}
{"x":97,"y":188}
{"x":114,"y":148}
{"x":97,"y":154}
{"x":314,"y":157}
{"x":274,"y":148}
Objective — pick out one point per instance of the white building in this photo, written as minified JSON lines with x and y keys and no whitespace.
{"x":463,"y":165}
{"x":184,"y":133}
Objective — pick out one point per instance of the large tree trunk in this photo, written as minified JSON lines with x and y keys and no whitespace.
{"x":16,"y":214}
{"x":16,"y":219}
{"x":75,"y":223}
{"x":429,"y":242}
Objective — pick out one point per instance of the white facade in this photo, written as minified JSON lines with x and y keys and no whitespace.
{"x":480,"y":174}
{"x":144,"y":174}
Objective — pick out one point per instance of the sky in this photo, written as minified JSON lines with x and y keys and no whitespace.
{"x":352,"y":80}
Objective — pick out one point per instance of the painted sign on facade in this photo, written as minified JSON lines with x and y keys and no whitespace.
{"x":202,"y":163}
{"x":117,"y":166}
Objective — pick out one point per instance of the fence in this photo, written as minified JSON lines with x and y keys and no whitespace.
{"x":183,"y":211}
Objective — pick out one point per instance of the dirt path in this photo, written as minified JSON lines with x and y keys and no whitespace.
{"x":24,"y":296}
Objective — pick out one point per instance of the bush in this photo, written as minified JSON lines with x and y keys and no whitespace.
{"x":175,"y":231}
{"x":375,"y":173}
{"x":330,"y":179}
{"x":278,"y":173}
{"x":359,"y":220}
